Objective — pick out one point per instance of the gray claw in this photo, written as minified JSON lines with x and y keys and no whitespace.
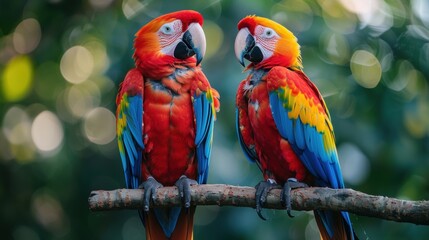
{"x":184,"y":187}
{"x":290,"y":184}
{"x":262,"y":189}
{"x":149,"y":186}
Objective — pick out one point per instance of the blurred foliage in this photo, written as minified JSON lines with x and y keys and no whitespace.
{"x":61,"y":63}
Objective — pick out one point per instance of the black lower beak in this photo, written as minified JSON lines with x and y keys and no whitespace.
{"x":252,"y":52}
{"x":185,"y":48}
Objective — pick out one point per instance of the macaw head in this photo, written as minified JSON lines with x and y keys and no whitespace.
{"x":171,"y":38}
{"x":266,"y":44}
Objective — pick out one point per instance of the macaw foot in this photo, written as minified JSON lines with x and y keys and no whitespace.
{"x":184,"y":187}
{"x":149,"y":186}
{"x":290,"y":184}
{"x":262,"y":189}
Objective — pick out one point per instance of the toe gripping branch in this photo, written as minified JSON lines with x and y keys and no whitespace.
{"x":184,"y":187}
{"x":149,"y":186}
{"x":291,"y":183}
{"x":262,"y":189}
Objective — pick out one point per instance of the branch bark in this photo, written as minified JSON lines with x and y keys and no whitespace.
{"x":303,"y":199}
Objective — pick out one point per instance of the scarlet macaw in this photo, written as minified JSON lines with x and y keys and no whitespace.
{"x":165,"y":115}
{"x":283,"y":123}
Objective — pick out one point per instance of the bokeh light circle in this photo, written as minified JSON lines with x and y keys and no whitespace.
{"x":99,"y":126}
{"x":77,"y":64}
{"x":366,"y":68}
{"x":16,"y":125}
{"x":82,"y":98}
{"x":47,"y":132}
{"x":17,"y":78}
{"x":27,"y":36}
{"x":354,"y":164}
{"x":214,"y":38}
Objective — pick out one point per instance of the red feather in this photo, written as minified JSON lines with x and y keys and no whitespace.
{"x":284,"y":125}
{"x":280,"y":162}
{"x":173,"y":144}
{"x":248,"y":22}
{"x":169,"y":132}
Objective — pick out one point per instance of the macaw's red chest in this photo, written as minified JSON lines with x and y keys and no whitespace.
{"x":277,"y":159}
{"x":168,"y":131}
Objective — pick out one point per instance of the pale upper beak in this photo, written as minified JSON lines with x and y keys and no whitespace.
{"x":192,"y":42}
{"x":240,"y":44}
{"x":246,"y":48}
{"x":197,"y":41}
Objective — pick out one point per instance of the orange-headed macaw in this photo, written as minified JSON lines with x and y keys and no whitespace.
{"x":283,"y":123}
{"x":165,"y":115}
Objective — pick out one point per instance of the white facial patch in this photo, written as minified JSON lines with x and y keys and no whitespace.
{"x":169,"y":35}
{"x":266,"y":40}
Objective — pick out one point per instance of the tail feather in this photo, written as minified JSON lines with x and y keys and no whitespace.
{"x":334,"y":225}
{"x":182,"y":231}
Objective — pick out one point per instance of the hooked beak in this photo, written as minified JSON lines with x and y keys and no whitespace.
{"x":193,"y":43}
{"x":245,"y":47}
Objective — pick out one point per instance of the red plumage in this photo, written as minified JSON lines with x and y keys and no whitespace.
{"x":169,"y":134}
{"x":165,"y":116}
{"x":280,"y":162}
{"x":283,"y":123}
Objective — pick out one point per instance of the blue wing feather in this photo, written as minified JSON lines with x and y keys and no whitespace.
{"x":168,"y":218}
{"x":131,"y":139}
{"x":299,"y":134}
{"x":308,"y":144}
{"x":204,"y":122}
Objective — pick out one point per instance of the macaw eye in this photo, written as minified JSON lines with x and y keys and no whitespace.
{"x":167,"y":28}
{"x":268,"y":33}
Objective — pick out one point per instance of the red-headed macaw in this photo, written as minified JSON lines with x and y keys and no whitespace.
{"x":165,"y":115}
{"x":283,"y":123}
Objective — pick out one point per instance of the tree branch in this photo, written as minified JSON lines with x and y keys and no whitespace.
{"x":314,"y":198}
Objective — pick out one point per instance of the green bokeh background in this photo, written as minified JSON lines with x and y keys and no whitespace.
{"x":61,"y":63}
